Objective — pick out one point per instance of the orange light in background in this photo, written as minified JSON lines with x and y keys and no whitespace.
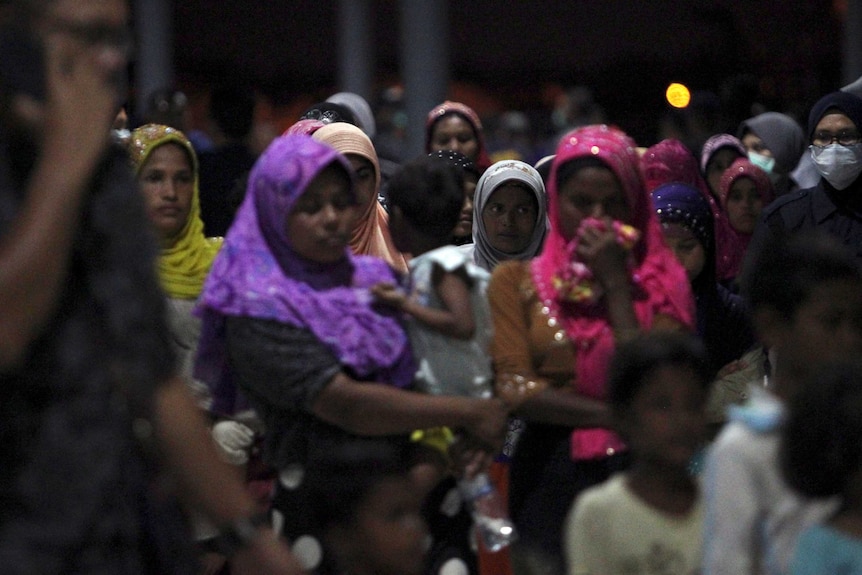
{"x":678,"y":95}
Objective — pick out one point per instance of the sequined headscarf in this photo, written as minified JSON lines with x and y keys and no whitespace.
{"x":257,"y":274}
{"x":447,"y":108}
{"x":183,"y":266}
{"x":743,"y":168}
{"x":371,"y":235}
{"x":485,"y":255}
{"x":659,"y":284}
{"x":671,"y":161}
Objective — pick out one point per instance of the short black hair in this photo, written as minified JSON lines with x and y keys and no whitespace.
{"x":635,"y":360}
{"x":783,"y":272}
{"x":821,"y":444}
{"x":340,"y":479}
{"x":430,"y":194}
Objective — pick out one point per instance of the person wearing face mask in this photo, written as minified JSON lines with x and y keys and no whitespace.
{"x":835,"y":203}
{"x":774,"y":143}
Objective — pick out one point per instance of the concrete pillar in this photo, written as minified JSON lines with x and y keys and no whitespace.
{"x":424,"y":65}
{"x":154,"y":63}
{"x":852,"y":65}
{"x":355,"y":50}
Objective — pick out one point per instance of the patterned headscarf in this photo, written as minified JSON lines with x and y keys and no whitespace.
{"x":671,"y":161}
{"x":742,"y":168}
{"x":304,"y":127}
{"x":257,"y":274}
{"x":370,"y":235}
{"x":183,"y":266}
{"x":716,"y":143}
{"x":448,"y":108}
{"x":659,"y":284}
{"x":458,"y":160}
{"x":485,"y":255}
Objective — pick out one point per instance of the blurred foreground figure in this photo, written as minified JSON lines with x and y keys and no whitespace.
{"x":100,"y":439}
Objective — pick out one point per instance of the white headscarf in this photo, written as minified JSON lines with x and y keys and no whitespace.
{"x":485,"y":255}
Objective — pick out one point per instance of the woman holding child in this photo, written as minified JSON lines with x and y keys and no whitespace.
{"x":289,"y":317}
{"x":604,"y":275}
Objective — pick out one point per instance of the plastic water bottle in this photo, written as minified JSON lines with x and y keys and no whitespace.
{"x":492,"y":524}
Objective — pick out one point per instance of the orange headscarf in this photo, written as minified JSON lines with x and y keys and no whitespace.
{"x":371,"y":232}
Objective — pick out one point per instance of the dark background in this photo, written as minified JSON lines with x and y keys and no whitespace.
{"x":780,"y":55}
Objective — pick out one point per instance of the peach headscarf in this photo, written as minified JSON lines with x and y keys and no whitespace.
{"x":371,"y":233}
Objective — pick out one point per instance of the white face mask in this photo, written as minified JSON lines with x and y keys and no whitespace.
{"x":839,"y":165}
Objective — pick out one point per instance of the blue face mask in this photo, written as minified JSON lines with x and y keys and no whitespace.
{"x":765,"y":163}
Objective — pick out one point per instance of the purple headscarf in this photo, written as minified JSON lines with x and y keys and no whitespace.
{"x":257,"y":274}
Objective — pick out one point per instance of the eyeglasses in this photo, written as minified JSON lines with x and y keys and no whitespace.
{"x":844,"y":137}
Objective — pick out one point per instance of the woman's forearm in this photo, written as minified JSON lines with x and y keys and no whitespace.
{"x":376,"y":409}
{"x":561,"y":407}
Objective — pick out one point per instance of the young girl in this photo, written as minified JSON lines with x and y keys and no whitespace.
{"x":450,"y":323}
{"x":821,"y":456}
{"x":649,"y":518}
{"x":449,"y":319}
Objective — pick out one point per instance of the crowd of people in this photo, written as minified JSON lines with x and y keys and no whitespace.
{"x":301,"y":361}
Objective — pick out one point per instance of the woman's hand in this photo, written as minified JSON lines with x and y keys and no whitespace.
{"x":389,"y":294}
{"x":489,"y":423}
{"x":599,"y":250}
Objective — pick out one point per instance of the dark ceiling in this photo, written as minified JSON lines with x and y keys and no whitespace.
{"x":625,"y":50}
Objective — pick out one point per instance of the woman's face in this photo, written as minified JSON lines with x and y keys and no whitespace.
{"x":509,"y":217}
{"x":366,"y":179}
{"x":590,"y":192}
{"x":688,"y":250}
{"x":321,"y":221}
{"x":167,"y":181}
{"x":744,"y":206}
{"x":464,"y":227}
{"x":452,"y":132}
{"x":719,"y":162}
{"x":753,"y":143}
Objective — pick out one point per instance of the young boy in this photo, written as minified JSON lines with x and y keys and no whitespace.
{"x":649,"y":518}
{"x":805,"y":297}
{"x":367,"y":510}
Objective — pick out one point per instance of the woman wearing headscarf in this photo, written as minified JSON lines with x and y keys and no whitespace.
{"x":455,"y":126}
{"x":510,"y":218}
{"x":370,"y":236}
{"x":604,"y":274}
{"x":671,"y":161}
{"x":775,"y":143}
{"x":835,"y":203}
{"x":718,"y":152}
{"x":288,"y":317}
{"x":744,"y":190}
{"x":167,"y":172}
{"x":686,"y":223}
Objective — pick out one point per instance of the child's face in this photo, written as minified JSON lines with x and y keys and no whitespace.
{"x":686,"y":247}
{"x":666,"y":421}
{"x":826,"y":327}
{"x":389,"y":531}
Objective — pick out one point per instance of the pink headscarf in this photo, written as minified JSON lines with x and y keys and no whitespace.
{"x":304,"y":127}
{"x":659,"y":283}
{"x":670,"y":161}
{"x":743,"y":168}
{"x":482,"y":160}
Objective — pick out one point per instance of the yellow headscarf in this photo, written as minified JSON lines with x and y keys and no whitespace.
{"x":184,"y":265}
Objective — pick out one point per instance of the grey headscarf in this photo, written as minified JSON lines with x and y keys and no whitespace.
{"x":485,"y":255}
{"x":781,"y":134}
